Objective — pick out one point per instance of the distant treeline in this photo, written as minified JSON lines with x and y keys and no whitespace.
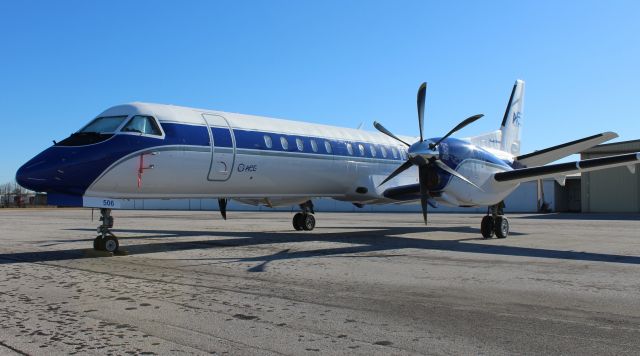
{"x":12,"y":195}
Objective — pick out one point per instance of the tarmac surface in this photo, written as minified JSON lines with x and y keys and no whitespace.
{"x":364,"y":284}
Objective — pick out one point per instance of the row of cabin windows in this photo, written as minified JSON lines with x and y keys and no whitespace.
{"x":374,"y":151}
{"x":284,"y":143}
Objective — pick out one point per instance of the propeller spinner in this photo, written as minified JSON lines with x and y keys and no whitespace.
{"x":424,"y":154}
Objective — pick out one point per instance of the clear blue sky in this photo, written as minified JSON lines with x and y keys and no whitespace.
{"x":333,"y":62}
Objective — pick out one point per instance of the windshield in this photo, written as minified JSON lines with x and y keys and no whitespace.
{"x":104,"y":124}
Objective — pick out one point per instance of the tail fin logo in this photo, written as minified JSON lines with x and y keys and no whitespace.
{"x":516,"y":118}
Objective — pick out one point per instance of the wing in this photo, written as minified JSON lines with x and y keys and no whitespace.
{"x":554,"y":153}
{"x":563,"y":169}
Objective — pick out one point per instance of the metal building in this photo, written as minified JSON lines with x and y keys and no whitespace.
{"x":614,"y":190}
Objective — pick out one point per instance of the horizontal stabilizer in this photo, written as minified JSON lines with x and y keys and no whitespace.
{"x":554,"y":153}
{"x":563,"y":169}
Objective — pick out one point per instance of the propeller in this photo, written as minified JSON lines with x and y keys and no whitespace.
{"x":382,"y":129}
{"x":424,"y":154}
{"x":422,"y":95}
{"x":464,"y":123}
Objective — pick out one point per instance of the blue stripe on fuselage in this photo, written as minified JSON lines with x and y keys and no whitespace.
{"x":180,"y":134}
{"x":256,"y":140}
{"x":70,"y":170}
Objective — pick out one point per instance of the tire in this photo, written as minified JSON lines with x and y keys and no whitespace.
{"x":487,"y":227}
{"x":309,"y":222}
{"x":111,"y":244}
{"x":97,"y":244}
{"x":501,"y":227}
{"x":297,"y":221}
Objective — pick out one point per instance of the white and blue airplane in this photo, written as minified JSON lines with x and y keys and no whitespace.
{"x":142,"y":150}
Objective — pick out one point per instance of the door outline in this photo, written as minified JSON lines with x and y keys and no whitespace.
{"x":219,"y":156}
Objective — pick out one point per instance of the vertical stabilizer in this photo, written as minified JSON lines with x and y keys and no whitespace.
{"x":512,"y":120}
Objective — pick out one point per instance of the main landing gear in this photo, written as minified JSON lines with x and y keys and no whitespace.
{"x":305,"y":220}
{"x":106,"y":240}
{"x":495,"y":222}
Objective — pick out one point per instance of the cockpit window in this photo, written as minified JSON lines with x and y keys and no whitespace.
{"x":107,"y":124}
{"x":98,"y":130}
{"x":142,"y":124}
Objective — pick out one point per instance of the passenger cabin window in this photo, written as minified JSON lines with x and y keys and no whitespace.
{"x":361,"y":149}
{"x":299,"y":144}
{"x":142,"y":124}
{"x":107,"y":124}
{"x":395,"y":152}
{"x":327,"y":146}
{"x":373,"y":150}
{"x":267,"y":141}
{"x":284,"y":143}
{"x":314,"y":145}
{"x":350,"y":149}
{"x":384,"y":152}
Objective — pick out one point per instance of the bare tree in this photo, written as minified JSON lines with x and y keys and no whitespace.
{"x":12,"y":193}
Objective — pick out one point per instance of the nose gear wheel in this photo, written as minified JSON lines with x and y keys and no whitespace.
{"x":106,"y":240}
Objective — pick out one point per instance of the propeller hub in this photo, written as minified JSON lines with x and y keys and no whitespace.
{"x":421,"y":153}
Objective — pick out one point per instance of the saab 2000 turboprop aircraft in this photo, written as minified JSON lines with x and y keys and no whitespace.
{"x":140,"y":150}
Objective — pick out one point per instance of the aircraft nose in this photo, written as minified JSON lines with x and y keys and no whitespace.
{"x":33,"y":176}
{"x":58,"y":170}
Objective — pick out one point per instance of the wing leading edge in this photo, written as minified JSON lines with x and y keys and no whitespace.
{"x":563,"y":169}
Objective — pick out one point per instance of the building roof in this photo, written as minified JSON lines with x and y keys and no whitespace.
{"x":615,"y":148}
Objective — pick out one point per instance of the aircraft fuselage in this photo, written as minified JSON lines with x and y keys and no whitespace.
{"x":208,"y":154}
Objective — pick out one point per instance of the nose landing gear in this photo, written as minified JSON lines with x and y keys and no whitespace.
{"x":305,"y":219}
{"x":495,"y":222}
{"x":106,"y":240}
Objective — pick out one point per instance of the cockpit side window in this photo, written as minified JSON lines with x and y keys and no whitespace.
{"x":106,"y":124}
{"x":142,"y":124}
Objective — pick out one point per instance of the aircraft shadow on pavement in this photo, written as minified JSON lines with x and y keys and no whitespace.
{"x":362,"y":243}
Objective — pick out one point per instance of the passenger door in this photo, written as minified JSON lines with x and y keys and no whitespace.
{"x":223,"y":147}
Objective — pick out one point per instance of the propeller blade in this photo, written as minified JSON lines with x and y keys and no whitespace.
{"x":406,"y":165}
{"x":454,"y":173}
{"x":424,"y":191}
{"x":422,"y":92}
{"x":222,"y":203}
{"x":464,"y":123}
{"x":382,"y":129}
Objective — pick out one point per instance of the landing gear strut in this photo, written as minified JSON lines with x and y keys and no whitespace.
{"x":305,"y":220}
{"x":495,"y":222}
{"x":106,"y":240}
